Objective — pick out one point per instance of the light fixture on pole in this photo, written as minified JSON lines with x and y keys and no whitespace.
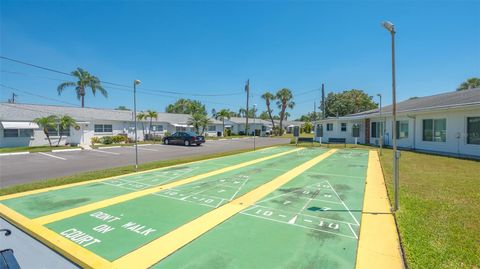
{"x":135,"y":83}
{"x":382,"y":125}
{"x":396,"y":153}
{"x":254,"y":126}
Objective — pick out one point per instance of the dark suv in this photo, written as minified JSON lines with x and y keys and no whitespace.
{"x":184,"y":138}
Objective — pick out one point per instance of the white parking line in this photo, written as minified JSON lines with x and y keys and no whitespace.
{"x":107,"y":152}
{"x":146,"y":149}
{"x":53,"y":156}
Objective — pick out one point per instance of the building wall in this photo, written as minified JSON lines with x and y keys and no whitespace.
{"x":338,"y":133}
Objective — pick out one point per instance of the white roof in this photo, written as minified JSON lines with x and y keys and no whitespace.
{"x":182,"y":125}
{"x":19,"y":125}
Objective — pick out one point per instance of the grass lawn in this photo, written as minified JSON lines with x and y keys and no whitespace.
{"x":439,"y":216}
{"x":32,"y":149}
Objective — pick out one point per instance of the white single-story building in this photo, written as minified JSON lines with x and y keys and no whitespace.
{"x":18,"y":129}
{"x":237,"y":126}
{"x":444,"y":123}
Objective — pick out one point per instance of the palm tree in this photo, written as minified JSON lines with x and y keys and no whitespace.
{"x":267,"y":96}
{"x":242,"y":112}
{"x":470,"y":83}
{"x":284,"y":100}
{"x":85,"y":80}
{"x":142,"y":116}
{"x":287,"y":115}
{"x":199,"y":120}
{"x":222,"y":115}
{"x":64,"y":123}
{"x":47,"y":123}
{"x":152,"y":115}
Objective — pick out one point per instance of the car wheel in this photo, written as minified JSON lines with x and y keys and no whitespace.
{"x":166,"y":141}
{"x":187,"y":143}
{"x":198,"y":144}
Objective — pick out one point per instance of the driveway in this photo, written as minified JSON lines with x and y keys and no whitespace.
{"x":19,"y":169}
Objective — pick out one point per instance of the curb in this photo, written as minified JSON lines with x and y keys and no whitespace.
{"x":65,"y":150}
{"x":15,"y":153}
{"x":110,"y":147}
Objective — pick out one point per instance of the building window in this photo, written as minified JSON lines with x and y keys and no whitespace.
{"x":156,"y":128}
{"x":211,"y":128}
{"x":377,"y":129}
{"x":435,"y":130}
{"x":103,"y":128}
{"x":343,"y":127}
{"x":17,"y":132}
{"x":180,"y":129}
{"x":473,"y":130}
{"x":402,"y":129}
{"x":329,"y":126}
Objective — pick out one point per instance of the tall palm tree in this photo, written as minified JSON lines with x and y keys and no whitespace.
{"x":242,"y":112}
{"x":267,"y":96}
{"x":470,"y":83}
{"x":284,"y":100}
{"x":47,"y":123}
{"x":222,"y":115}
{"x":64,"y":123}
{"x":142,"y":116}
{"x":152,"y":115}
{"x":85,"y":80}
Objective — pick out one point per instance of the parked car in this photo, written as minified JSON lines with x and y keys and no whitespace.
{"x":184,"y":138}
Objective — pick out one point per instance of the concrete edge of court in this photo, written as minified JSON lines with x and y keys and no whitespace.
{"x":379,"y":244}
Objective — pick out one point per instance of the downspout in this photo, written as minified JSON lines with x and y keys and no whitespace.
{"x":414,"y":128}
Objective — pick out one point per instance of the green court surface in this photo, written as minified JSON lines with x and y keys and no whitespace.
{"x":313,"y":221}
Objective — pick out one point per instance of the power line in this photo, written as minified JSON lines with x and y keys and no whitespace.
{"x":117,"y":84}
{"x":37,"y":95}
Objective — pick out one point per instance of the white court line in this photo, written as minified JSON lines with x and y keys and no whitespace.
{"x":268,"y":199}
{"x":53,"y":156}
{"x":346,"y":207}
{"x":304,"y":215}
{"x":239,"y":188}
{"x":107,"y":152}
{"x":351,"y":229}
{"x":298,"y":225}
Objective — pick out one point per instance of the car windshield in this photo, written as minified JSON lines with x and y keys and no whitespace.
{"x":191,"y":133}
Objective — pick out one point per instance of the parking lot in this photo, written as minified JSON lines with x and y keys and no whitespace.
{"x":18,"y":169}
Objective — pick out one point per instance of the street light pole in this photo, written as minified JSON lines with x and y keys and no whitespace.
{"x":254,"y":125}
{"x":396,"y":153}
{"x":383,"y":127}
{"x":135,"y":83}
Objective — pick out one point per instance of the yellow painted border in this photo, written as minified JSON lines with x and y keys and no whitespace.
{"x":67,"y":248}
{"x":162,"y":247}
{"x":129,"y":196}
{"x":378,"y":246}
{"x":21,"y":194}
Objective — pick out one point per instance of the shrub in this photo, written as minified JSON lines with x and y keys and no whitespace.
{"x":118,"y":139}
{"x":166,"y":133}
{"x":95,"y":140}
{"x":228,"y":132}
{"x":107,"y":140}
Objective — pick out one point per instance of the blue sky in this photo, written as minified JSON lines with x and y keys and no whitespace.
{"x":214,"y":47}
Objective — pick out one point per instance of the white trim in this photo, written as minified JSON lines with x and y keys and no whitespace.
{"x":19,"y":125}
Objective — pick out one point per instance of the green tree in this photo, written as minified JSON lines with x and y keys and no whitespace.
{"x":84,"y":80}
{"x":222,"y":115}
{"x":348,"y":102}
{"x":199,"y":120}
{"x":470,"y":83}
{"x":186,"y":106}
{"x":267,"y":96}
{"x":284,"y":99}
{"x":151,"y":114}
{"x":47,"y":123}
{"x":64,"y":123}
{"x":264,"y":115}
{"x":122,"y":108}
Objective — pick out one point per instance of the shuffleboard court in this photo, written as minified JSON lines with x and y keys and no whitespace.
{"x":281,"y":207}
{"x":311,"y":222}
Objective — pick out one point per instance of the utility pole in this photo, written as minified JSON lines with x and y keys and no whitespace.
{"x":12,"y":101}
{"x":314,"y":110}
{"x":247,"y":90}
{"x":135,"y":83}
{"x":324,"y":108}
{"x":382,"y":125}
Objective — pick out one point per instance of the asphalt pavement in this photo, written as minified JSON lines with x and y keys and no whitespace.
{"x":19,"y":169}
